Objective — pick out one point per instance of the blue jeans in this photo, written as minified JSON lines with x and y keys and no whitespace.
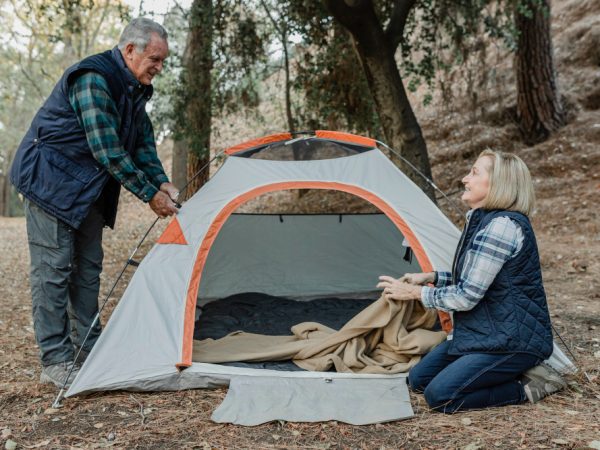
{"x":478,"y":380}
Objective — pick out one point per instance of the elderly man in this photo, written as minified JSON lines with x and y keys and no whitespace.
{"x":91,"y":136}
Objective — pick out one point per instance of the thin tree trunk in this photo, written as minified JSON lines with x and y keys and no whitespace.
{"x":375,"y":49}
{"x":198,"y":65}
{"x":282,"y":31}
{"x":288,"y":87}
{"x":179,"y":169}
{"x":539,"y":109}
{"x":4,"y":205}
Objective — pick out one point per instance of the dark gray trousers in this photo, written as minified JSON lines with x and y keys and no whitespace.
{"x":65,"y":281}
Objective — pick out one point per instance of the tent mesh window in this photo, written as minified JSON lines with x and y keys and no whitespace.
{"x":303,"y":149}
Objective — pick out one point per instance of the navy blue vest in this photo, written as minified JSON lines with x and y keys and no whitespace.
{"x":54,"y":166}
{"x":513,"y":315}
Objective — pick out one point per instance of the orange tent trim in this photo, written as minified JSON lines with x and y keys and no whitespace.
{"x":346,"y":137}
{"x":173,"y":234}
{"x":257,"y":142}
{"x":324,"y":134}
{"x":215,"y":227}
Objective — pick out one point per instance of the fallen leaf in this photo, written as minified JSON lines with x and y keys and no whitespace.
{"x":6,"y":433}
{"x":474,"y":446}
{"x":295,"y":433}
{"x":10,"y":445}
{"x":51,"y":411}
{"x":276,"y":437}
{"x":466,"y":421}
{"x":560,"y":441}
{"x":39,"y":444}
{"x":98,"y":425}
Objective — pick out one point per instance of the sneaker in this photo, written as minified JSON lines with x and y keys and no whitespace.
{"x":541,"y":381}
{"x":57,"y":373}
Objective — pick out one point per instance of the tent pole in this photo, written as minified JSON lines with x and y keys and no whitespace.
{"x":132,"y":262}
{"x":429,"y":180}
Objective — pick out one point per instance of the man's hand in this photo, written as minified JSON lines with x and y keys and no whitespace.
{"x":418,"y":279}
{"x":170,"y":190}
{"x":163,"y":205}
{"x":398,"y":290}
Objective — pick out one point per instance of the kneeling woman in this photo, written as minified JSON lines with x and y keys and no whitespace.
{"x":495,"y":294}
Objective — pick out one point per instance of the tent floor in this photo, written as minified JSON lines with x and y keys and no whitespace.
{"x":265,"y":314}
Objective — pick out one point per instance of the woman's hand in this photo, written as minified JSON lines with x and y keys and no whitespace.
{"x":418,"y":279}
{"x":397,"y":289}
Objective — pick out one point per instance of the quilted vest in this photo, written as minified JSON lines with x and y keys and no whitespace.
{"x":54,"y":166}
{"x":513,"y":315}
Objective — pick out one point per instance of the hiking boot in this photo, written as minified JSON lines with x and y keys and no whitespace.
{"x":541,"y":381}
{"x":57,"y":373}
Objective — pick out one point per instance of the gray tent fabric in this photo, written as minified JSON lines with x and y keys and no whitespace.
{"x":147,"y":343}
{"x":293,"y":255}
{"x":358,"y":401}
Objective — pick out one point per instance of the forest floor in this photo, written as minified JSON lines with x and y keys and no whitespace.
{"x":566,"y":171}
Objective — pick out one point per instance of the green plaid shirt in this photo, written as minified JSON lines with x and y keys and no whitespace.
{"x":97,"y":113}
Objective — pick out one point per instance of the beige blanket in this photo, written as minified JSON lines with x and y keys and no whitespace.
{"x":387,"y":337}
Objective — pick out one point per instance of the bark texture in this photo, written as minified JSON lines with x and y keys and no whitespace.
{"x":539,"y":109}
{"x":375,"y":47}
{"x":198,"y":65}
{"x":179,"y":169}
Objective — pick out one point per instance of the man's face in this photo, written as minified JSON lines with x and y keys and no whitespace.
{"x":147,"y":64}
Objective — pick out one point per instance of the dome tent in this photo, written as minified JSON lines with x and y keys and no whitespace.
{"x":208,"y":252}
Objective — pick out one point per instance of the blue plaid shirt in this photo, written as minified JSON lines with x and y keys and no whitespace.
{"x":498,"y":242}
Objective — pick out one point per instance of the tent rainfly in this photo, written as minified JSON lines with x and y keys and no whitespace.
{"x":208,"y":252}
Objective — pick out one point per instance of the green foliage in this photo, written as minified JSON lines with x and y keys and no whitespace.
{"x":329,"y":77}
{"x":240,"y":40}
{"x":238,"y":51}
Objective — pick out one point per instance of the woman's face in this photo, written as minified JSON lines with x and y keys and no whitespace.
{"x":477,"y":183}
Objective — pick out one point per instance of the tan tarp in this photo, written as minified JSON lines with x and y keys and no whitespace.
{"x":386,"y":337}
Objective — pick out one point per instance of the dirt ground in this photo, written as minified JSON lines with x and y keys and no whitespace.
{"x":566,"y":170}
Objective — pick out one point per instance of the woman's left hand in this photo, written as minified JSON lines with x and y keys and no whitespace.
{"x":398,"y":290}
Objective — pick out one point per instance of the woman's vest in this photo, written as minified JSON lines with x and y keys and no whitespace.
{"x":513,"y":315}
{"x":54,"y":166}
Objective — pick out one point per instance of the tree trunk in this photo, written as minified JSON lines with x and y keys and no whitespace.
{"x":4,"y":204}
{"x":539,"y":109}
{"x":179,"y":170}
{"x":198,"y":66}
{"x":375,"y":49}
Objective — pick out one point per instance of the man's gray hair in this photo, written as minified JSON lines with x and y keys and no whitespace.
{"x":139,"y":31}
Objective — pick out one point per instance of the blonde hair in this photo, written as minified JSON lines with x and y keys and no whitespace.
{"x":511,"y":187}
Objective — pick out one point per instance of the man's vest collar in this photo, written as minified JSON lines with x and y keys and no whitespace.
{"x":132,"y":83}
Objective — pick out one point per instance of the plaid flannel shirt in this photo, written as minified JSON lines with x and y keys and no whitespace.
{"x":97,"y":113}
{"x":498,"y":242}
